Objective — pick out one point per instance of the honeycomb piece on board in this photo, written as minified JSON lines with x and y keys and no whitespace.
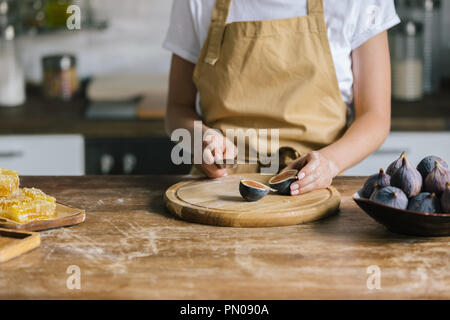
{"x":37,"y":194}
{"x":9,"y":182}
{"x":6,"y":202}
{"x":28,"y":205}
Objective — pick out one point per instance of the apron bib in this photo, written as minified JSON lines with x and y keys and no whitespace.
{"x":273,"y":74}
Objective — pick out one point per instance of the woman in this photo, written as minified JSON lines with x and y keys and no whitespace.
{"x":293,"y":65}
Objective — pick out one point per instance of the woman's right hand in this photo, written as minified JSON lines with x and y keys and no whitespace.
{"x":216,"y":149}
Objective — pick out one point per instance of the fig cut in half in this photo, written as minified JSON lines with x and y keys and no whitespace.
{"x":252,"y":190}
{"x":282,"y":181}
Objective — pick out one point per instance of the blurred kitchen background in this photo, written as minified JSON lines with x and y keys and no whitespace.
{"x":92,"y":101}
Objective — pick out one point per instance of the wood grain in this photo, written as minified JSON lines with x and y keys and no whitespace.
{"x":218,"y":202}
{"x":15,"y":243}
{"x":65,"y":216}
{"x":130,"y":247}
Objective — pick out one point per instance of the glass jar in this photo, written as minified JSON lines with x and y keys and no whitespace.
{"x":428,"y":12}
{"x":60,"y":79}
{"x":12,"y":79}
{"x":407,"y":61}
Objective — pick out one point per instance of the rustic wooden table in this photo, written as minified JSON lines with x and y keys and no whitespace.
{"x":130,"y":247}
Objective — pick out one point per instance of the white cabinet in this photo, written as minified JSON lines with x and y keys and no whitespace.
{"x":43,"y":154}
{"x":416,"y":144}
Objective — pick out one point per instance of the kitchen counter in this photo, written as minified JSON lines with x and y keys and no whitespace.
{"x":40,"y":116}
{"x":130,"y":247}
{"x":430,"y":114}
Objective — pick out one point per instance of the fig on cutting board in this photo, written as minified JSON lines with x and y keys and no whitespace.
{"x":379,"y":180}
{"x":395,"y":165}
{"x":407,"y":178}
{"x":445,"y":199}
{"x":282,"y":181}
{"x":425,"y":202}
{"x":427,"y":165}
{"x":253,"y":190}
{"x":437,"y":179}
{"x":391,"y":197}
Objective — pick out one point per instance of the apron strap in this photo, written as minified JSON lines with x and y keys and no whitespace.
{"x":315,"y":7}
{"x":218,"y":23}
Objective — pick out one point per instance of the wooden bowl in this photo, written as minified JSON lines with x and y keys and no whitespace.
{"x":405,"y":221}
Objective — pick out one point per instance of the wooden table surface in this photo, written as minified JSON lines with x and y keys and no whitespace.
{"x":130,"y":247}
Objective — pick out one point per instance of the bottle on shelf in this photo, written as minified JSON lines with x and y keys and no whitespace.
{"x":12,"y":78}
{"x":407,"y":61}
{"x":429,"y":14}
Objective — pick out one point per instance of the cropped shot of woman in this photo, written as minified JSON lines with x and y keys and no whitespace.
{"x":304,"y":67}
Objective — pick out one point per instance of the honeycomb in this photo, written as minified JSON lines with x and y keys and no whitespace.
{"x":27,"y":205}
{"x":9,"y":182}
{"x":36,"y":194}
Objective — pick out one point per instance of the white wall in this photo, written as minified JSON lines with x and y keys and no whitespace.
{"x":131,"y":44}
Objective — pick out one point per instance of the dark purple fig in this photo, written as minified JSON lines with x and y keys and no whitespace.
{"x":437,"y":179}
{"x":427,"y":165}
{"x":445,"y":199}
{"x":252,"y":190}
{"x":408,"y":179}
{"x":425,"y":202}
{"x":282,"y":181}
{"x":395,"y":165}
{"x":391,"y":197}
{"x":380,"y":179}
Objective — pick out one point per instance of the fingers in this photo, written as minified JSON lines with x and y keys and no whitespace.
{"x":311,"y":163}
{"x":306,"y":180}
{"x":215,"y":148}
{"x":212,"y":171}
{"x":208,"y":157}
{"x":308,"y":174}
{"x":308,"y":188}
{"x":218,"y":148}
{"x":309,"y":177}
{"x":302,"y":187}
{"x":218,"y":156}
{"x":230,"y":150}
{"x":212,"y":151}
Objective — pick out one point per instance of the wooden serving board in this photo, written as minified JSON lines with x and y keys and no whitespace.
{"x":218,"y":202}
{"x":15,"y":243}
{"x":65,"y":216}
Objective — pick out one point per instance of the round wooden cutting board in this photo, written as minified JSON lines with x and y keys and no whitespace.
{"x":218,"y":202}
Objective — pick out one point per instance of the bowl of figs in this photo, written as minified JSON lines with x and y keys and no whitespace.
{"x":408,"y":199}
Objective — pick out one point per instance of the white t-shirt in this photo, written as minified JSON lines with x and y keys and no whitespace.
{"x":350,"y":23}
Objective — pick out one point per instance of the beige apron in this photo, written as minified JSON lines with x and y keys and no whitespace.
{"x":273,"y":74}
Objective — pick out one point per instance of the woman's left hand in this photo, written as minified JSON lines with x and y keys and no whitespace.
{"x":316,"y":172}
